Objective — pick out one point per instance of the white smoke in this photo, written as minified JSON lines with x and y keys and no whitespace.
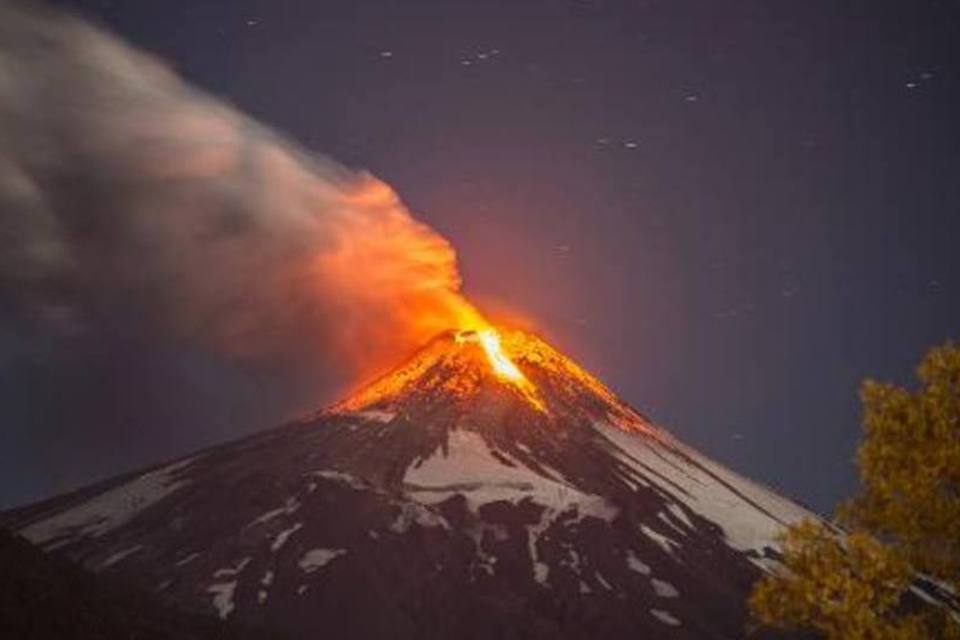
{"x":121,"y":187}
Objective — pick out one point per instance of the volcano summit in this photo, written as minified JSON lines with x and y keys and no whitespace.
{"x":487,"y":488}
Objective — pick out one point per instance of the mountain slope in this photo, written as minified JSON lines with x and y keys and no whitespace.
{"x":489,"y":487}
{"x":49,"y":598}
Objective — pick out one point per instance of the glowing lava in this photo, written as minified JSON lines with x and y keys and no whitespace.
{"x":489,"y":339}
{"x":501,"y":364}
{"x":460,"y":366}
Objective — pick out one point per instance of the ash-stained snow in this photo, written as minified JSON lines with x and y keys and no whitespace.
{"x":289,"y":508}
{"x":665,"y":617}
{"x":223,"y":597}
{"x":414,"y":513}
{"x":187,"y":559}
{"x":281,"y":538}
{"x":318,"y":558}
{"x":667,"y":520}
{"x":636,"y":564}
{"x":339,"y":476}
{"x":665,"y":543}
{"x":265,"y":583}
{"x":228,"y":572}
{"x":468,"y":467}
{"x":679,"y":514}
{"x":541,"y":570}
{"x":664,"y":589}
{"x":108,"y":510}
{"x":485,"y":562}
{"x":603,"y":581}
{"x":376,"y":415}
{"x":751,"y":517}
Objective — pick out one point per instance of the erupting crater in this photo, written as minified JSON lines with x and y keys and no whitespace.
{"x":494,"y":367}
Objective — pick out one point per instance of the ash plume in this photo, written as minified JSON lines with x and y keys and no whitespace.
{"x":124,"y":190}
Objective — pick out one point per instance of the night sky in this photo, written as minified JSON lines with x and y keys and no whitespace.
{"x":731,"y":212}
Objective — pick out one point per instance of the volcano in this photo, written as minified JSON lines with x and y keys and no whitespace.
{"x":488,"y":487}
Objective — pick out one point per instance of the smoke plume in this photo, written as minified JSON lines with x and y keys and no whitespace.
{"x":125,"y":191}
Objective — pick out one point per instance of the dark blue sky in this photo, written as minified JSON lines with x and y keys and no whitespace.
{"x":732,"y":212}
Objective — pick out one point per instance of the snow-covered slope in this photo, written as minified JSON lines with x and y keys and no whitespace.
{"x":442,"y":501}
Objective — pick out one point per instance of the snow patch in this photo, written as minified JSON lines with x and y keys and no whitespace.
{"x":376,"y":415}
{"x":603,"y":582}
{"x":636,"y":564}
{"x":680,"y":515}
{"x":541,"y":570}
{"x":223,"y":597}
{"x":664,"y":589}
{"x":485,"y":561}
{"x":339,"y":476}
{"x":108,"y":510}
{"x":228,"y":572}
{"x":265,"y":582}
{"x":414,"y":513}
{"x":281,"y":538}
{"x":187,"y":559}
{"x":120,"y":555}
{"x":468,"y":467}
{"x":667,"y":520}
{"x":750,"y":515}
{"x":665,"y":617}
{"x":665,"y":543}
{"x":289,"y":507}
{"x":319,"y":558}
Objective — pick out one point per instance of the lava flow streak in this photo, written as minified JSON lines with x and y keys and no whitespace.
{"x":501,"y":364}
{"x":489,"y":339}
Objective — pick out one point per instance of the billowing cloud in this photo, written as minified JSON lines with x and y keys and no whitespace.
{"x":124,"y":190}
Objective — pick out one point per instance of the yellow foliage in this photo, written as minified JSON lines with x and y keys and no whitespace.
{"x":851,"y":585}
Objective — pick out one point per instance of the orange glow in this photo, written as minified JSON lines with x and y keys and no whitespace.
{"x":388,"y":282}
{"x":500,"y":363}
{"x":489,"y":339}
{"x":471,"y":365}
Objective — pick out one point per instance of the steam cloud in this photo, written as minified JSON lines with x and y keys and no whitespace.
{"x":122,"y":188}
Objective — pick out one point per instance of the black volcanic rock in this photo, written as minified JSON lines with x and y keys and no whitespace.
{"x":442,"y":501}
{"x":42,"y":598}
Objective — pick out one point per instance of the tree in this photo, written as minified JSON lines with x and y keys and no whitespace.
{"x":856,"y":579}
